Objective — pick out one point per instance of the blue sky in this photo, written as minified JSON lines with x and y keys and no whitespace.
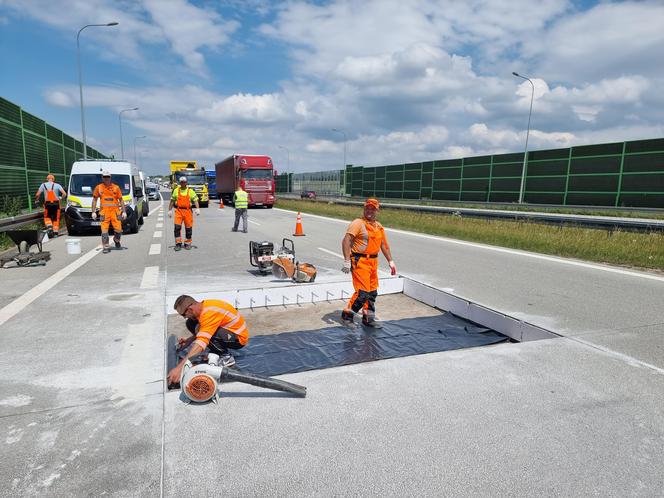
{"x":406,"y":80}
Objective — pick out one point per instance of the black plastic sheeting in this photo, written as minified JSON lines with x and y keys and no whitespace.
{"x":335,"y":346}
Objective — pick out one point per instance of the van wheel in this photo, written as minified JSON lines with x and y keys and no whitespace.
{"x":141,"y":220}
{"x":133,"y":228}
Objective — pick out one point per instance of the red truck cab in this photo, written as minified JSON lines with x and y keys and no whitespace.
{"x":254,"y":173}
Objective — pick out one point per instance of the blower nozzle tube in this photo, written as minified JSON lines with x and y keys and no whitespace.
{"x":266,"y":382}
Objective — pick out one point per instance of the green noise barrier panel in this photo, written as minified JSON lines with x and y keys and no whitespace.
{"x":623,"y":174}
{"x":30,"y":148}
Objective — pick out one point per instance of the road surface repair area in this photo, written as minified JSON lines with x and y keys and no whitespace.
{"x":84,"y":409}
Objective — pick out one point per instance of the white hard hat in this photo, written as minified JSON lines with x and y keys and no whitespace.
{"x":183,"y":178}
{"x":105,"y":173}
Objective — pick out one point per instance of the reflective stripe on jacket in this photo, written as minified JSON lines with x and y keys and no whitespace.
{"x":110,"y":196}
{"x":241,"y":199}
{"x":215,"y":314}
{"x":368,"y":236}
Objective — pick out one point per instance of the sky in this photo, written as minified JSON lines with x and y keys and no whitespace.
{"x":401,"y":80}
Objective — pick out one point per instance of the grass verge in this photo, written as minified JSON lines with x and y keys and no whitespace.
{"x":630,"y":249}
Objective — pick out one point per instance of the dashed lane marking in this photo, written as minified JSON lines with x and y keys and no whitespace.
{"x":331,"y":252}
{"x":255,"y":223}
{"x":150,"y":277}
{"x":159,"y":225}
{"x":21,"y":302}
{"x":157,"y":233}
{"x":155,"y":249}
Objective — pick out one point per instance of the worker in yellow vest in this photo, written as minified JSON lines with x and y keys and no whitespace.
{"x":182,"y":198}
{"x":241,"y":201}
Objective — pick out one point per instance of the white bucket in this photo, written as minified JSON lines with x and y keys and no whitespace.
{"x":73,"y":246}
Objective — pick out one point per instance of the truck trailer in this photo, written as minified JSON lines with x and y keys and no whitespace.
{"x":253,"y":173}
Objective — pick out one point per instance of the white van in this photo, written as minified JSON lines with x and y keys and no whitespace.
{"x":85,"y":176}
{"x":146,"y":200}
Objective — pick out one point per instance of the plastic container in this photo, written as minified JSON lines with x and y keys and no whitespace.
{"x":73,"y":246}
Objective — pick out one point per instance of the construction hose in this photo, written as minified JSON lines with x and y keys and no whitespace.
{"x":266,"y":382}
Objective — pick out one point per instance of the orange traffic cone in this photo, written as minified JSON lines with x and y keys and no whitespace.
{"x":298,"y":227}
{"x":221,"y":203}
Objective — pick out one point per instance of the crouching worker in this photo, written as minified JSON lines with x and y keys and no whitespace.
{"x":214,"y":324}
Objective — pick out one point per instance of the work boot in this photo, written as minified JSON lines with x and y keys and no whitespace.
{"x":371,"y":323}
{"x":347,"y":316}
{"x":233,"y":229}
{"x":106,"y":250}
{"x":187,"y":246}
{"x":178,"y":246}
{"x":118,"y":245}
{"x":226,"y":360}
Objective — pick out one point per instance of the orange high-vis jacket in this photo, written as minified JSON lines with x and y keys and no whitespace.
{"x":368,"y":236}
{"x":108,"y":196}
{"x":215,"y":314}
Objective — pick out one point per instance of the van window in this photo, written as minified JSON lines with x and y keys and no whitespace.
{"x":84,"y":184}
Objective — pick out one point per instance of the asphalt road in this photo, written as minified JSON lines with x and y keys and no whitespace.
{"x":83,"y":409}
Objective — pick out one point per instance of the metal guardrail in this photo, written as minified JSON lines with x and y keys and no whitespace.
{"x":603,"y":222}
{"x":18,"y":220}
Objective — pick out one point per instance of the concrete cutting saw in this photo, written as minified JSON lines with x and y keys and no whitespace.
{"x":281,"y":263}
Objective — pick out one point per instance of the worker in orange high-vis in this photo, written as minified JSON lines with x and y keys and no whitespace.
{"x":215,"y":325}
{"x":364,"y":238}
{"x":182,"y":198}
{"x":53,"y":193}
{"x":111,"y":204}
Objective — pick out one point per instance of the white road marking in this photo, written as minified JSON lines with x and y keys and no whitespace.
{"x":154,"y":249}
{"x":515,"y":252}
{"x":150,"y":277}
{"x":331,"y":252}
{"x":251,"y":221}
{"x":21,"y":302}
{"x":156,"y":209}
{"x":382,"y":272}
{"x":159,"y":225}
{"x":157,"y":233}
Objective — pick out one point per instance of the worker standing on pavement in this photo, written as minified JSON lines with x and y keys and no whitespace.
{"x":215,"y":325}
{"x":365,"y":237}
{"x":182,"y":198}
{"x":241,"y":202}
{"x":111,"y":204}
{"x":53,"y":193}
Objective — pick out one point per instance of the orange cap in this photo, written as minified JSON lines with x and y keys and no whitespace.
{"x":372,"y":202}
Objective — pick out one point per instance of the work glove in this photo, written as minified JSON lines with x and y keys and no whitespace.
{"x":198,"y":212}
{"x":124,"y":215}
{"x":170,"y":213}
{"x":94,"y":215}
{"x":393,"y":268}
{"x":346,"y":267}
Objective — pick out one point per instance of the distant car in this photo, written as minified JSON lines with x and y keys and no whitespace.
{"x":307,"y":194}
{"x":153,"y":191}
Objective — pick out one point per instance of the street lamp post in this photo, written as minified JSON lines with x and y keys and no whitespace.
{"x":525,"y":154}
{"x":287,"y":154}
{"x":80,"y":81}
{"x":136,"y":138}
{"x":120,"y":120}
{"x":345,"y":139}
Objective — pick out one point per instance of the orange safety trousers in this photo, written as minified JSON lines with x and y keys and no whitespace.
{"x":52,"y":216}
{"x":365,"y":282}
{"x":108,"y":217}
{"x":183,"y":215}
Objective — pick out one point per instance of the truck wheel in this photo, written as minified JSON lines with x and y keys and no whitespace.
{"x":269,"y":206}
{"x":205,"y":204}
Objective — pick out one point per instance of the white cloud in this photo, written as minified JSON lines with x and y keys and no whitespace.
{"x":183,"y":26}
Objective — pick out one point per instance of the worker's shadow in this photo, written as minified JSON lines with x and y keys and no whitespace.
{"x":334,"y":318}
{"x":246,"y":394}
